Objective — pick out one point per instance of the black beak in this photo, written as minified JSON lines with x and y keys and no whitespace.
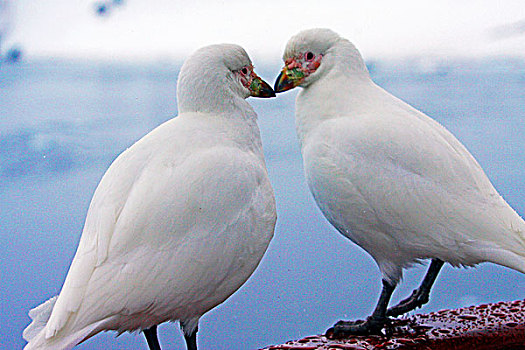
{"x":288,"y":79}
{"x":260,"y":88}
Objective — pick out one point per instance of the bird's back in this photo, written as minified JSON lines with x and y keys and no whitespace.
{"x":398,"y":183}
{"x":179,"y":221}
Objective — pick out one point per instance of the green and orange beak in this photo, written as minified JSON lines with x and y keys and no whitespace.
{"x":288,"y":79}
{"x":260,"y":88}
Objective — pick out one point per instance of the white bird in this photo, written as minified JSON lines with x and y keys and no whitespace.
{"x":390,"y":178}
{"x":179,"y":221}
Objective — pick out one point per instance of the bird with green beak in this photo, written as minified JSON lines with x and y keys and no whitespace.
{"x":296,"y":70}
{"x":251,"y":81}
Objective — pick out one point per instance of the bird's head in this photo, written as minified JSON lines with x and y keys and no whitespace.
{"x":251,"y":84}
{"x":311,"y":54}
{"x":214,"y":74}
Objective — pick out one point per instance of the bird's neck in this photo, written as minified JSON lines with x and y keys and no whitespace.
{"x":335,"y":95}
{"x":346,"y":59}
{"x":243,"y":130}
{"x":212,"y":99}
{"x":208,"y":97}
{"x":237,"y":127}
{"x":344,"y":85}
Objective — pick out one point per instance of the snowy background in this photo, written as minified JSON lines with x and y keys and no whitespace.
{"x":90,"y":85}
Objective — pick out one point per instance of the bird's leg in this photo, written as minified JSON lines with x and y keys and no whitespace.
{"x":151,"y":338}
{"x":191,"y":339}
{"x":373,"y":324}
{"x":419,"y":296}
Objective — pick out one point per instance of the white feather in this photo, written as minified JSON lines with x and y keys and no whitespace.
{"x":39,"y":317}
{"x":390,"y":178}
{"x":179,"y":221}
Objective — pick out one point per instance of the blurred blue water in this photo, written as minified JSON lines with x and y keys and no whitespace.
{"x":63,"y":122}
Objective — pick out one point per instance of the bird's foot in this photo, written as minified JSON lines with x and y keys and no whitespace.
{"x":371,"y":326}
{"x":415,"y":300}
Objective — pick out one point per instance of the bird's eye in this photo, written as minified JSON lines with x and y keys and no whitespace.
{"x":244,"y":71}
{"x":309,"y":56}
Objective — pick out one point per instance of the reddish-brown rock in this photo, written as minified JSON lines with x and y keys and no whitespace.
{"x":499,"y":326}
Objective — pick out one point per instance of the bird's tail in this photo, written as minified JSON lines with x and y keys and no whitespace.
{"x":510,"y":258}
{"x":39,"y":316}
{"x":35,"y":333}
{"x":509,"y":249}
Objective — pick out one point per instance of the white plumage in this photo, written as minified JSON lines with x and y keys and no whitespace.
{"x":179,"y":221}
{"x":387,"y":176}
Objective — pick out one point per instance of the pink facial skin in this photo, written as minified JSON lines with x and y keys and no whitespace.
{"x":306,"y":63}
{"x":246,"y":75}
{"x":251,"y":81}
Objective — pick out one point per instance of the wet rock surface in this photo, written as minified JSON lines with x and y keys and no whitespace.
{"x":495,"y":326}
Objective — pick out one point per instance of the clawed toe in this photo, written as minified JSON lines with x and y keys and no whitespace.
{"x":346,"y":328}
{"x":342,"y":324}
{"x":416,"y":300}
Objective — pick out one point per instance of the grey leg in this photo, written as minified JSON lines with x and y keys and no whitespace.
{"x":373,"y":323}
{"x":419,"y":296}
